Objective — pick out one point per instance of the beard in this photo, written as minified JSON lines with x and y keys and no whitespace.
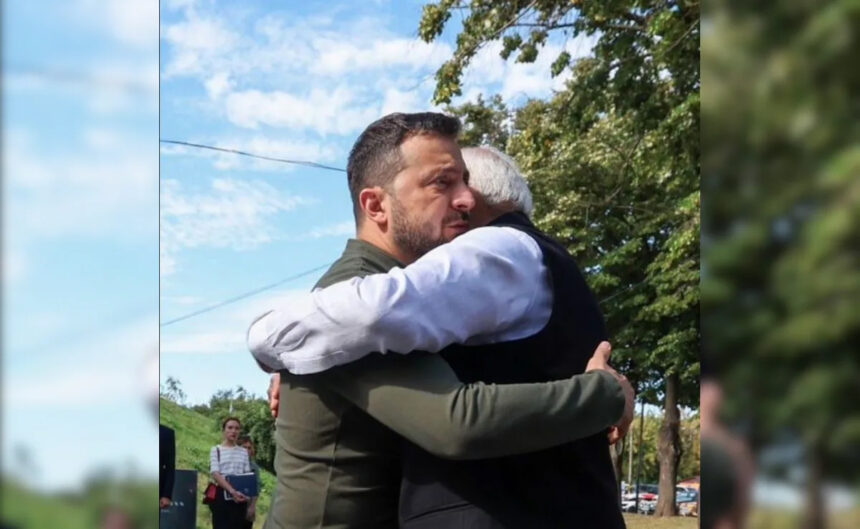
{"x":411,"y":234}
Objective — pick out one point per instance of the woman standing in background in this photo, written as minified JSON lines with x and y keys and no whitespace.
{"x":227,"y":459}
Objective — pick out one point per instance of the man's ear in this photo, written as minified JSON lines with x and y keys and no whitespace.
{"x":373,"y":205}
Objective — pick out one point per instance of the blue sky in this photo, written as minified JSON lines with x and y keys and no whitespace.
{"x":298,"y":81}
{"x":80,"y":237}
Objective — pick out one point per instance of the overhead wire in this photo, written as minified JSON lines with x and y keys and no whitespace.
{"x":243,"y":295}
{"x":252,"y":155}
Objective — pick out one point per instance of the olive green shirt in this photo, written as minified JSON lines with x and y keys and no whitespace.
{"x":339,"y":432}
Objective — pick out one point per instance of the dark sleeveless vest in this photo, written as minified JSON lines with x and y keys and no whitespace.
{"x":569,"y":486}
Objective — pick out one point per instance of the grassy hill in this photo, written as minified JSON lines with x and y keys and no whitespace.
{"x":196,"y":434}
{"x":81,"y":508}
{"x":24,"y":509}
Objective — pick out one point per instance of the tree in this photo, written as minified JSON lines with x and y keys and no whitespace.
{"x":781,"y":288}
{"x":172,"y":391}
{"x":484,"y":123}
{"x":253,"y":412}
{"x":613,"y":163}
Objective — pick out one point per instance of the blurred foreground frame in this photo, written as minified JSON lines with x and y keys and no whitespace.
{"x":780,"y":277}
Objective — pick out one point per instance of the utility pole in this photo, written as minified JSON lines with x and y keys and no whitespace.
{"x":639,"y":462}
{"x":630,"y":462}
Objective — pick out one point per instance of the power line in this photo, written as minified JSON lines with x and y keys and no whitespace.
{"x":244,"y":295}
{"x":252,"y":155}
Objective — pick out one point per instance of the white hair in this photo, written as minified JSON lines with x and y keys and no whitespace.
{"x":496,"y":176}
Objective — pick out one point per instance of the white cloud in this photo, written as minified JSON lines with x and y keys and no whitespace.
{"x":197,"y":43}
{"x":131,"y":22}
{"x":14,"y":266}
{"x":223,"y":331}
{"x":337,"y":110}
{"x":177,"y":4}
{"x":520,"y":79}
{"x":275,"y":148}
{"x":218,"y":84}
{"x":401,"y":101}
{"x":338,"y":56}
{"x":232,"y":214}
{"x":298,"y":74}
{"x":166,"y":261}
{"x":320,"y":75}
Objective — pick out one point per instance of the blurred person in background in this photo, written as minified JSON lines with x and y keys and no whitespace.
{"x":166,"y":465}
{"x":116,"y":519}
{"x":727,"y":465}
{"x":228,"y":459}
{"x":246,"y":443}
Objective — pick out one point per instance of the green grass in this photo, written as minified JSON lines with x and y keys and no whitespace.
{"x":776,"y":519}
{"x":641,"y":521}
{"x":25,"y":509}
{"x":196,"y":434}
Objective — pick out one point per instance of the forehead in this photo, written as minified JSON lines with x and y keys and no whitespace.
{"x":428,"y":152}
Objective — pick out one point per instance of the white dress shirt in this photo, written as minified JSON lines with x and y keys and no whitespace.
{"x":488,"y":285}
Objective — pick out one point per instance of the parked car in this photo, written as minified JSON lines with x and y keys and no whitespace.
{"x":647,"y":499}
{"x":687,"y":500}
{"x":684,"y":495}
{"x":647,"y":506}
{"x":647,"y":492}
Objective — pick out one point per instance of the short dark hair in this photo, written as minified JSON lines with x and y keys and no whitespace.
{"x":228,"y":419}
{"x":375,"y":158}
{"x":245,"y":439}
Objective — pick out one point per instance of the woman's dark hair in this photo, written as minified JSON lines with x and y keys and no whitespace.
{"x":228,"y":419}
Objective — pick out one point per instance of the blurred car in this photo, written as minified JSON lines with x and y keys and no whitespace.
{"x":687,"y":500}
{"x":647,"y":506}
{"x":690,"y":508}
{"x":647,"y":499}
{"x":647,"y":492}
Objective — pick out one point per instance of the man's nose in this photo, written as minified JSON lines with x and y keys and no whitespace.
{"x":465,"y":200}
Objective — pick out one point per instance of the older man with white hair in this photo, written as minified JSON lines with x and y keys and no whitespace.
{"x":503,"y":303}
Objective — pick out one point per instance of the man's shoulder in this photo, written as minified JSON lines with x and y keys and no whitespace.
{"x":347,"y":267}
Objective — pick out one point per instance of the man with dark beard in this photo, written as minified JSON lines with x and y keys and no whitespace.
{"x":519,"y":301}
{"x":340,"y":432}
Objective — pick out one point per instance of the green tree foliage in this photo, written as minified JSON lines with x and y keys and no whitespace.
{"x":781,"y":292}
{"x":613,"y":163}
{"x":172,"y":391}
{"x":650,"y":471}
{"x":253,"y":411}
{"x":484,"y":123}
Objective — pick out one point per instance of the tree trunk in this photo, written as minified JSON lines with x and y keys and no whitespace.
{"x":616,"y":452}
{"x":669,"y":449}
{"x":814,"y":516}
